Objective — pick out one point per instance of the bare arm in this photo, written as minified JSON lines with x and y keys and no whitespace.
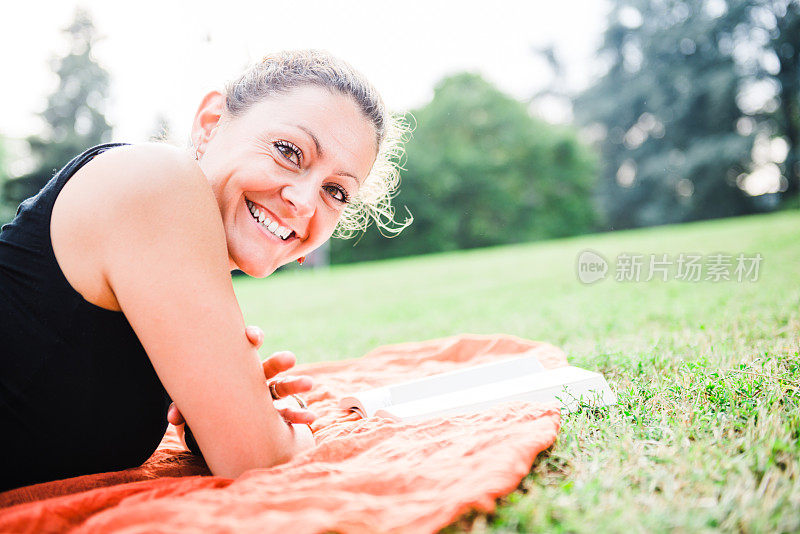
{"x":161,"y":247}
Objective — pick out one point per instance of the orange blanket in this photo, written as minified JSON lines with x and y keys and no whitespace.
{"x":371,"y":475}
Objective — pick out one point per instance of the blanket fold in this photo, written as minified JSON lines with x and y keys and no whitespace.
{"x":373,"y":475}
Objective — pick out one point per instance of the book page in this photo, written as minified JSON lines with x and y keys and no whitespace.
{"x":463,"y":379}
{"x":369,"y":401}
{"x":569,"y":386}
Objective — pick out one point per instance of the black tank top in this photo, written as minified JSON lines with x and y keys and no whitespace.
{"x":78,"y":393}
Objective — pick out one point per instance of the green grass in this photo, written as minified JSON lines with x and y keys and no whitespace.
{"x":705,"y":436}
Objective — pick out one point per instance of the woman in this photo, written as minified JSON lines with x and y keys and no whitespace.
{"x":115,"y":279}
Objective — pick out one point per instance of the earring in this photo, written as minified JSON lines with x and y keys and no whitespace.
{"x":196,"y":156}
{"x":301,"y":259}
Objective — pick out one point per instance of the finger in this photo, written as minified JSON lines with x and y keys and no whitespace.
{"x":298,"y":416}
{"x":174,"y":415}
{"x":292,"y":385}
{"x":254,"y":335}
{"x":181,"y":430}
{"x":278,"y":363}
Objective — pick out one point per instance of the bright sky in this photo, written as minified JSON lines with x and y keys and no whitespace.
{"x":164,"y":55}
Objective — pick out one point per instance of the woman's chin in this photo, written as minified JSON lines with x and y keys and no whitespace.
{"x":262,"y":271}
{"x":256,"y":267}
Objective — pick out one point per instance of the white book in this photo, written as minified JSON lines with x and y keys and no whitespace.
{"x":480,"y":387}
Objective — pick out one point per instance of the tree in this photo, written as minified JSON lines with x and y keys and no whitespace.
{"x":481,"y":171}
{"x":162,"y":131}
{"x":668,"y":107}
{"x":780,"y":20}
{"x":74,"y":115}
{"x":6,"y":208}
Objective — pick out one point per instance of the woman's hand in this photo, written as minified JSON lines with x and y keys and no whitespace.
{"x":303,"y":437}
{"x":283,"y":387}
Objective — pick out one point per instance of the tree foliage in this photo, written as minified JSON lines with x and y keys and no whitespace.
{"x":779,"y":22}
{"x":6,"y":208}
{"x":481,"y":171}
{"x":74,"y":115}
{"x":667,"y":105}
{"x":677,"y":128}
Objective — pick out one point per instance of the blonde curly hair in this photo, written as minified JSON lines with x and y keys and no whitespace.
{"x":283,"y":71}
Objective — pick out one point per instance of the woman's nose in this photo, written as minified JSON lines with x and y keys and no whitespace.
{"x":301,"y":197}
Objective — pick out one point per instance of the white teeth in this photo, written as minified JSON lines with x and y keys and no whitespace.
{"x":269,"y":224}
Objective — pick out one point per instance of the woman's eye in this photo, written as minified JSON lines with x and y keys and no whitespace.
{"x":289,"y":151}
{"x":337,"y":193}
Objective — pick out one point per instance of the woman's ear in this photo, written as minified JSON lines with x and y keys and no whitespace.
{"x":207,"y":119}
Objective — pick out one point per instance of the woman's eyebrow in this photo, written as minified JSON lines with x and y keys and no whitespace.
{"x":313,"y":138}
{"x":320,"y":151}
{"x":348,"y":175}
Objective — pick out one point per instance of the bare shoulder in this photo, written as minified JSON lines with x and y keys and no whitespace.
{"x":128,"y":198}
{"x":136,"y":172}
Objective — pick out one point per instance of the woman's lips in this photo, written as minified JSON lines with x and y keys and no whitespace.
{"x":268,"y":222}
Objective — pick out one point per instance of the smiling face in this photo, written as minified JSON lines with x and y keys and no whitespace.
{"x":283,"y":171}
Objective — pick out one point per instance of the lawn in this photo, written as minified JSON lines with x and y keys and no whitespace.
{"x":706,"y":433}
